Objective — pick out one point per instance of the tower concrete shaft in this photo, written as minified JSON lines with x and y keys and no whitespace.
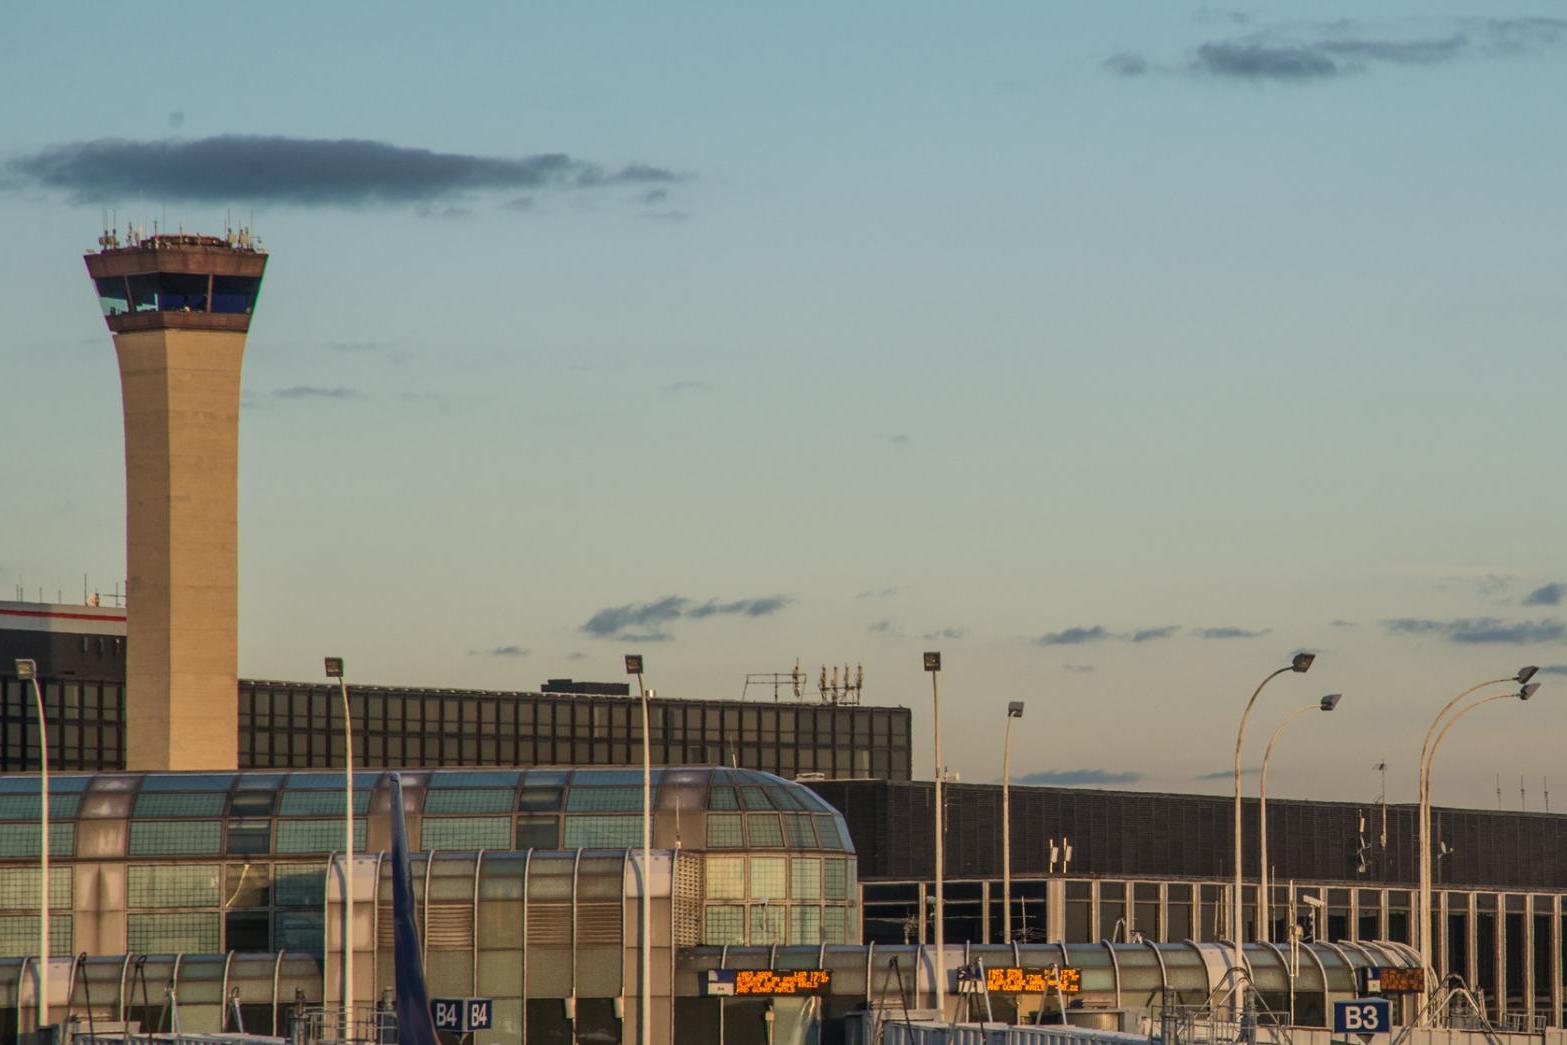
{"x":179,"y":308}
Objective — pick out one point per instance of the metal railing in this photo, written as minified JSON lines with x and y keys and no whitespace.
{"x":367,"y":1025}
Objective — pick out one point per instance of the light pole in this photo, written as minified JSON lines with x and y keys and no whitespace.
{"x":1014,"y":710}
{"x":1264,"y":901}
{"x":645,"y":1016}
{"x":27,"y":670}
{"x":933,"y":665}
{"x":1427,"y":757}
{"x":1301,"y":662}
{"x":334,"y":670}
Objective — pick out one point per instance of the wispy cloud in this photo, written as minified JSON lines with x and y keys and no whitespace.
{"x":1224,"y":774}
{"x":499,"y":651}
{"x":308,"y":172}
{"x":1480,"y":630}
{"x":1554,"y":669}
{"x":943,"y":633}
{"x":646,"y":621}
{"x":1340,"y":623}
{"x":1304,"y":53}
{"x":677,"y":387}
{"x":1230,"y":633}
{"x":1081,"y":636}
{"x":879,"y":593}
{"x":899,"y":439}
{"x":1079,"y":777}
{"x":316,"y":392}
{"x":880,"y":627}
{"x":1546,"y":595}
{"x":1080,"y":669}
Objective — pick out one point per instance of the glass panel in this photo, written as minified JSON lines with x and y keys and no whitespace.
{"x":725,"y":924}
{"x":234,"y":293}
{"x":207,"y":804}
{"x":798,"y":827}
{"x":176,"y":837}
{"x":299,"y":931}
{"x":19,"y":935}
{"x":607,"y":799}
{"x":726,"y":877}
{"x":723,"y":831}
{"x":805,"y":925}
{"x":769,"y":878}
{"x":767,"y":924}
{"x":722,"y":798}
{"x":144,"y":292}
{"x":180,"y":885}
{"x":250,"y":837}
{"x":25,"y":807}
{"x":19,"y":889}
{"x":603,"y":832}
{"x":187,"y":781}
{"x":836,"y":878}
{"x":181,"y":292}
{"x":252,"y":803}
{"x":474,"y":800}
{"x":539,"y":799}
{"x":322,"y":803}
{"x":112,"y":295}
{"x":300,"y":885}
{"x":766,"y":831}
{"x":173,"y":933}
{"x":805,"y":878}
{"x":314,"y":836}
{"x":538,"y":832}
{"x":470,"y":832}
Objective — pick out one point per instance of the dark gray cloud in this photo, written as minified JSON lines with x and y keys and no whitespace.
{"x":1127,"y":63}
{"x":304,"y":171}
{"x":879,"y":593}
{"x":646,"y":621}
{"x":1342,"y":623}
{"x":316,"y":392}
{"x":1073,"y":636}
{"x":1404,"y":52}
{"x":1481,"y":630}
{"x":1258,"y":61}
{"x":1151,"y":634}
{"x":943,"y":633}
{"x":499,"y":651}
{"x":1546,"y":595}
{"x":880,"y":627}
{"x":1079,"y":777}
{"x":1225,"y":774}
{"x":1230,"y":633}
{"x":1554,"y":669}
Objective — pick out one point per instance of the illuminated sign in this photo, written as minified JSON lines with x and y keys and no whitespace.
{"x":766,"y":982}
{"x":1010,"y":979}
{"x":1399,"y":981}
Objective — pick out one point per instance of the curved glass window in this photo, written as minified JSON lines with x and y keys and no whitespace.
{"x":465,"y":832}
{"x":174,"y":837}
{"x":603,"y":832}
{"x":113,"y":296}
{"x":766,"y":831}
{"x":469,"y":800}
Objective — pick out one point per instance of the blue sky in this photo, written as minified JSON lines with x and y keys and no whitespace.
{"x":841,"y":334}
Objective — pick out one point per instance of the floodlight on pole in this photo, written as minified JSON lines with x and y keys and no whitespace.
{"x":1300,"y":663}
{"x":1014,"y":710}
{"x":645,"y":1013}
{"x":933,"y":666}
{"x":27,"y":671}
{"x":334,"y":670}
{"x":1264,"y":882}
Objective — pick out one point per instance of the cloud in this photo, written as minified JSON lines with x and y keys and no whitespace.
{"x":1073,"y":636}
{"x":1230,"y":633}
{"x":1473,"y":631}
{"x":177,"y":118}
{"x":1554,"y":669}
{"x":499,"y":651}
{"x":310,"y":172}
{"x":899,"y":439}
{"x":943,"y":633}
{"x":1080,"y":669}
{"x":1127,"y":63}
{"x":316,"y":392}
{"x":1225,"y":774}
{"x":1150,"y":634}
{"x":1546,"y":595}
{"x":1079,"y":777}
{"x":880,"y":627}
{"x":879,"y":593}
{"x":1340,"y":623}
{"x":1255,"y":61}
{"x":676,"y":387}
{"x":645,"y":621}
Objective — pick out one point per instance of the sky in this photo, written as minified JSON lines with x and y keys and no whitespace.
{"x":1118,"y":351}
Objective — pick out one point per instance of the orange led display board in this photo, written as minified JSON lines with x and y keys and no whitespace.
{"x":1012,"y":979}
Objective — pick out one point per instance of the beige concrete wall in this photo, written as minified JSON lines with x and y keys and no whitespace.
{"x":181,"y":396}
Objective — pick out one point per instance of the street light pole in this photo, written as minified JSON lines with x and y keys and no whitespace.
{"x":1264,"y":901}
{"x":1301,"y":662}
{"x":933,"y":665}
{"x":1427,"y":759}
{"x":645,"y":1016}
{"x":1014,"y":710}
{"x":334,"y":670}
{"x":27,"y":670}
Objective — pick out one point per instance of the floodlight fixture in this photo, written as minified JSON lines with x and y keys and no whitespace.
{"x":633,"y":664}
{"x":1015,"y":709}
{"x":334,"y":667}
{"x":1330,"y":701}
{"x":1528,"y":691}
{"x":26,"y":668}
{"x":1301,"y":662}
{"x":932,"y":661}
{"x":1525,"y":674}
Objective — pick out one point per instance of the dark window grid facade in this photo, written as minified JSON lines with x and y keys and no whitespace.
{"x":292,"y":726}
{"x":84,"y":722}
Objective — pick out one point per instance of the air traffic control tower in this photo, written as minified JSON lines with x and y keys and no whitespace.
{"x":179,"y":308}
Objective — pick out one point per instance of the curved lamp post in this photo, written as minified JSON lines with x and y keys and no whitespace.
{"x":334,"y":670}
{"x":1301,"y":662}
{"x":1427,"y":760}
{"x":1014,"y":710}
{"x":1264,"y":901}
{"x":27,"y":670}
{"x":933,"y":665}
{"x":1423,"y":928}
{"x":645,"y":1017}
